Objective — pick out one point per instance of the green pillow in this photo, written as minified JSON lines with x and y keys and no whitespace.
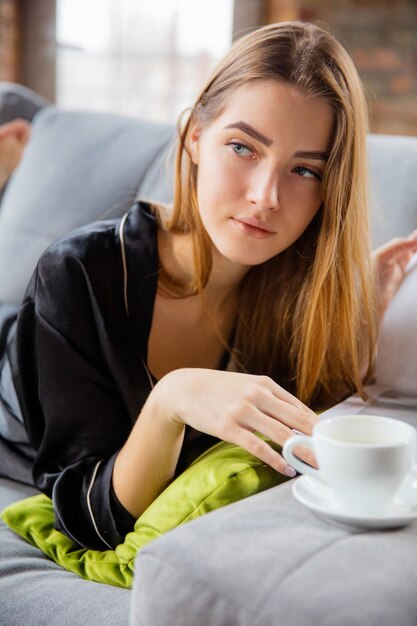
{"x":223,"y":474}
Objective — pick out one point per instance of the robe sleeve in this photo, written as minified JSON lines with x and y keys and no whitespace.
{"x":73,"y":410}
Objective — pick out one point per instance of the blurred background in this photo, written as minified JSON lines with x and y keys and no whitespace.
{"x":148,"y":59}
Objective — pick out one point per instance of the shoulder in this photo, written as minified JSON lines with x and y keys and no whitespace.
{"x":94,"y":247}
{"x":88,"y":260}
{"x":73,"y":272}
{"x":73,"y":263}
{"x":81,"y":244}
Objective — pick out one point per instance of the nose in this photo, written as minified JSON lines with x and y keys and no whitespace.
{"x":263,"y":189}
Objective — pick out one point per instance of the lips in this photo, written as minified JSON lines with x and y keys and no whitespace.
{"x":252,"y":227}
{"x":256,"y":223}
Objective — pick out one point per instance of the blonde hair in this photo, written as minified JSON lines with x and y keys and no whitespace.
{"x":306,"y":316}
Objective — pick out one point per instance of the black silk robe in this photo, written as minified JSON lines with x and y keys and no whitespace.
{"x":77,"y":355}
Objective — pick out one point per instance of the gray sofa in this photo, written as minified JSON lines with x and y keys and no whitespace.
{"x":263,"y":561}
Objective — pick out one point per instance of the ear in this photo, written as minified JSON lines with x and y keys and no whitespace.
{"x":194,"y":141}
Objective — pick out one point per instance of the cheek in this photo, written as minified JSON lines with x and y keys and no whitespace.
{"x":303,"y":219}
{"x":218,"y":182}
{"x":307,"y":197}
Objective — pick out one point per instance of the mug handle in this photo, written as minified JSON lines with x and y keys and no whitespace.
{"x":294,"y":461}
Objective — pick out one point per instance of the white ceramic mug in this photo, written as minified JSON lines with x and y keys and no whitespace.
{"x":363,"y":459}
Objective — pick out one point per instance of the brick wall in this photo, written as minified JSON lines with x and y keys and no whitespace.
{"x":8,"y":40}
{"x":381,"y":36}
{"x":27,"y":44}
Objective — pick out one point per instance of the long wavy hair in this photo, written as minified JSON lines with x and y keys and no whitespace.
{"x":306,"y":316}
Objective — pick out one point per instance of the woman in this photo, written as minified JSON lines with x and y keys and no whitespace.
{"x":141,"y":342}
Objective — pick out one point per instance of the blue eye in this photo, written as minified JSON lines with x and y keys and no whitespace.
{"x":240,"y":148}
{"x":305,"y":172}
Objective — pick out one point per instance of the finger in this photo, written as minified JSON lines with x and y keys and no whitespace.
{"x":410,"y":243}
{"x":401,"y":255}
{"x":395,"y":245}
{"x":282,"y":394}
{"x":263,"y":451}
{"x":402,"y":258}
{"x":274,"y":430}
{"x":24,"y":132}
{"x":10,"y":128}
{"x":257,"y":421}
{"x":295,"y":417}
{"x":18,"y":128}
{"x":11,"y":152}
{"x":406,"y":247}
{"x":306,"y":455}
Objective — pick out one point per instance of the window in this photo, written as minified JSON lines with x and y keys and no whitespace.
{"x":138,"y":58}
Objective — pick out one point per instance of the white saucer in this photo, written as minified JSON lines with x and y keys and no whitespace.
{"x":315,"y":495}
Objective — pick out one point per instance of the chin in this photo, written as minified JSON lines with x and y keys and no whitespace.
{"x":247,"y":258}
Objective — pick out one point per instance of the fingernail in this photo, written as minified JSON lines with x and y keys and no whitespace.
{"x":290,"y":471}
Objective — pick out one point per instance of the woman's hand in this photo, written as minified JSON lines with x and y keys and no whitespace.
{"x":13,"y":139}
{"x":233,"y":407}
{"x":228,"y":405}
{"x":391,"y":261}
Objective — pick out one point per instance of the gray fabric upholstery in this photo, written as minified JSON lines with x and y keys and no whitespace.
{"x":18,"y":101}
{"x":77,"y":168}
{"x":37,"y":592}
{"x":393,"y":173}
{"x":268,"y":561}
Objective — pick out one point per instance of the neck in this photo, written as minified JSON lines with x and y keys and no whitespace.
{"x":176,"y":254}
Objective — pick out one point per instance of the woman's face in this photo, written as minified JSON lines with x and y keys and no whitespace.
{"x":260,"y":167}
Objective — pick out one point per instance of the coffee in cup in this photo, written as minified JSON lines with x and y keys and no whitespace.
{"x":363,"y":459}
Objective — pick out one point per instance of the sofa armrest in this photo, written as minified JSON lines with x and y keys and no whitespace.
{"x":268,"y":560}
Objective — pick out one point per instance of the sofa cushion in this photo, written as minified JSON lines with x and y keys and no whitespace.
{"x":269,"y":561}
{"x":18,"y":101}
{"x":78,"y":167}
{"x":393,"y":173}
{"x":35,"y":590}
{"x":221,"y":475}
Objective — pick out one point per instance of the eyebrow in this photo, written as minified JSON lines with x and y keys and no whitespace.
{"x":250,"y":130}
{"x":320,"y":156}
